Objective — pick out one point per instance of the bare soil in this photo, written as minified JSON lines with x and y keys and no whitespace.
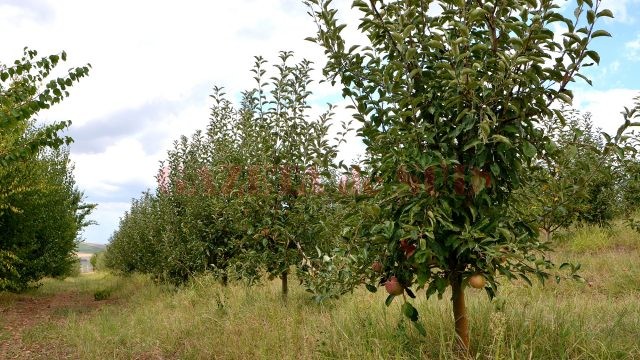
{"x":23,"y":312}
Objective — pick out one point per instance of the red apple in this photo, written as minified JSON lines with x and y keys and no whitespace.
{"x":393,"y":286}
{"x":408,"y":249}
{"x":376,"y":266}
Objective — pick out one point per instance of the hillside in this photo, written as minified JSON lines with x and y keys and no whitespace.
{"x":90,"y":248}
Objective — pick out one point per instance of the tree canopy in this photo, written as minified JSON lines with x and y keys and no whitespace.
{"x":42,"y":212}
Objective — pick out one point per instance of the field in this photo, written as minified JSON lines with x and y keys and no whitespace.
{"x":102,"y":316}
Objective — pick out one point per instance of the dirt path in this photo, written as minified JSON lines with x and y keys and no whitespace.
{"x":25,"y":312}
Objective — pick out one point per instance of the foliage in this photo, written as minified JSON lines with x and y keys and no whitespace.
{"x":629,"y":183}
{"x":43,"y":235}
{"x":98,"y":262}
{"x":295,"y":161}
{"x":136,"y":245}
{"x":254,"y":193}
{"x":450,"y":107}
{"x":24,"y":91}
{"x":574,"y":181}
{"x":41,"y":211}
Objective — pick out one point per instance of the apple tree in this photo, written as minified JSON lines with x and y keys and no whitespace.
{"x":289,"y":184}
{"x":450,"y":96}
{"x":629,"y":184}
{"x":574,"y":181}
{"x":36,"y":180}
{"x":187,"y":225}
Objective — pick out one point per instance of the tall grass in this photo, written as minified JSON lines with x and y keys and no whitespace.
{"x":595,"y":319}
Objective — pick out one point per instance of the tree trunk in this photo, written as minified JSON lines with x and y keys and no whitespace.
{"x":285,"y":284}
{"x":224,"y":279}
{"x":461,"y":346}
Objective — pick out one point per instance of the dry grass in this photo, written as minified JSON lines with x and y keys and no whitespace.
{"x":598,"y":319}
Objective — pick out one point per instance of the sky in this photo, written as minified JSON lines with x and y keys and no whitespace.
{"x":154,"y":63}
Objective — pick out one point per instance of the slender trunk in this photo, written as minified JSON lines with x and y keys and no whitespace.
{"x":461,"y":345}
{"x":224,"y":279}
{"x":285,"y":284}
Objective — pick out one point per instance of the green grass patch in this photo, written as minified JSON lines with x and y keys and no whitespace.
{"x":595,"y":239}
{"x":84,"y":283}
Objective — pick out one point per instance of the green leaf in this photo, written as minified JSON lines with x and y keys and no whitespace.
{"x":605,"y":13}
{"x":594,"y":56}
{"x":591,"y":16}
{"x":371,"y":288}
{"x":585,"y":79}
{"x":599,"y":33}
{"x":577,"y":11}
{"x":418,"y":325}
{"x":526,"y":279}
{"x":476,"y":13}
{"x":389,"y":300}
{"x":409,"y":311}
{"x":410,"y":293}
{"x":397,"y":37}
{"x":529,"y":150}
{"x":502,"y":139}
{"x":471,"y":144}
{"x":565,"y":97}
{"x":495,"y":169}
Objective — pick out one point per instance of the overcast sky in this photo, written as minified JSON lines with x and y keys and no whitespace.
{"x":154,"y":63}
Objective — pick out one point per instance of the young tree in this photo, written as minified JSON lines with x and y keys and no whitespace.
{"x":629,"y":184}
{"x":35,"y":182}
{"x":450,"y":95}
{"x":295,"y":161}
{"x":574,"y":181}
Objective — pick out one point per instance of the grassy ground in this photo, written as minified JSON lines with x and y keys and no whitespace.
{"x":598,"y":319}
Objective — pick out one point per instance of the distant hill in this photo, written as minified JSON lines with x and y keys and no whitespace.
{"x":90,"y":248}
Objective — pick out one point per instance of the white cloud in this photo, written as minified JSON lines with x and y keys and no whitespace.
{"x":123,"y":162}
{"x":605,"y":106}
{"x":108,"y":215}
{"x":633,"y":48}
